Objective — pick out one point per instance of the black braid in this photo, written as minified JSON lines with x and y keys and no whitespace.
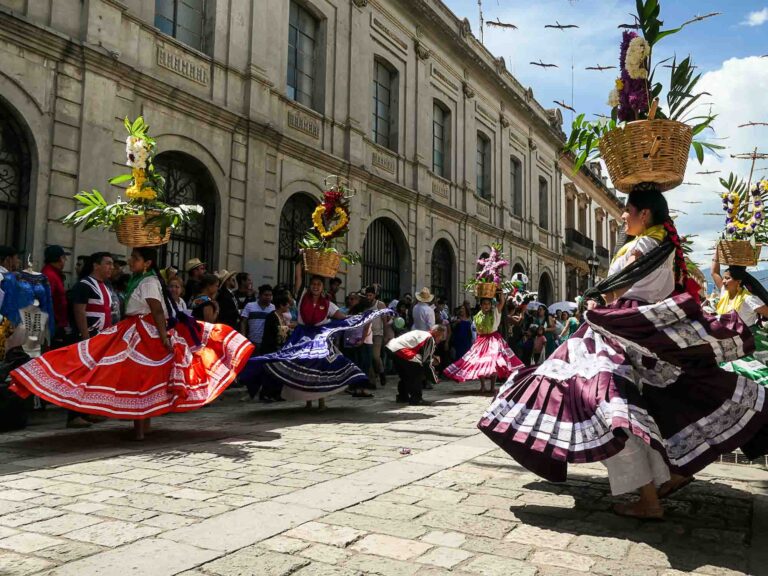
{"x":148,"y":253}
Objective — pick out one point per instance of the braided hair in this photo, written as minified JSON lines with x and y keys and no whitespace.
{"x":648,"y":197}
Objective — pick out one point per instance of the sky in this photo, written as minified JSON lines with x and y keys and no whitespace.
{"x":727,"y":49}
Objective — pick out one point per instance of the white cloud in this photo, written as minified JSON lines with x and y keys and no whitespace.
{"x":756,"y":18}
{"x":737,"y":90}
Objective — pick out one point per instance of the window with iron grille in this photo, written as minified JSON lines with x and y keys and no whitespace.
{"x":187,"y":181}
{"x":516,"y":182}
{"x":483,"y":166}
{"x":381,"y":259}
{"x":440,"y":139}
{"x":543,"y":203}
{"x":15,"y":165}
{"x":442,"y":272}
{"x":182,"y":19}
{"x":295,"y":219}
{"x":302,"y":55}
{"x":384,"y":118}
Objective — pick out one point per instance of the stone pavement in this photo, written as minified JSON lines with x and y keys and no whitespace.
{"x":240,"y":489}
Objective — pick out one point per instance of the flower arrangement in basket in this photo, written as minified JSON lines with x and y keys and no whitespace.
{"x":490,"y":277}
{"x":745,"y":222}
{"x":641,"y":142}
{"x":144,"y":220}
{"x":330,"y":222}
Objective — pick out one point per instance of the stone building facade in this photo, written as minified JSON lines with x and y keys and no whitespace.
{"x":254,"y":103}
{"x":591,"y":223}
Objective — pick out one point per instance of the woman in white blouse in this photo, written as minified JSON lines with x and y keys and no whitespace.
{"x":150,"y":363}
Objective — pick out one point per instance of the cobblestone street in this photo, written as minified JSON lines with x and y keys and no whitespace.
{"x":248,"y":489}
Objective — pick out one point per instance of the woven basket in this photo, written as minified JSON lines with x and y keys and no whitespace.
{"x":647,"y":151}
{"x":486,"y":290}
{"x":738,"y":253}
{"x":132,"y":231}
{"x":321,"y":263}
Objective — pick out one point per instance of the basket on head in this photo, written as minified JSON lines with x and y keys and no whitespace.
{"x":738,"y":253}
{"x":486,"y":289}
{"x":320,"y":263}
{"x":647,"y":151}
{"x":133,"y":231}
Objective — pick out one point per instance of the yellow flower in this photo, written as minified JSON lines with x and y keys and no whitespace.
{"x":317,"y":220}
{"x":619,"y":84}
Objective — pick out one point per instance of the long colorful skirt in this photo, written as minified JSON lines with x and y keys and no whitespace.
{"x":126,"y":372}
{"x":309,"y":366}
{"x":489,"y":356}
{"x":753,"y":366}
{"x":647,"y":370}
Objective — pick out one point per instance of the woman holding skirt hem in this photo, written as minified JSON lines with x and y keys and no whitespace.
{"x":147,"y":365}
{"x":638,"y":384}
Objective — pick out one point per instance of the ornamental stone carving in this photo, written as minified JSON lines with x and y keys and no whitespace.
{"x":501,"y":65}
{"x":503,"y":121}
{"x":360,"y":3}
{"x":468,"y":91}
{"x":465,"y":28}
{"x":422,"y":52}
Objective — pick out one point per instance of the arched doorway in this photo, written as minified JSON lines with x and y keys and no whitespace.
{"x":187,"y":181}
{"x":382,"y":258}
{"x":15,"y":171}
{"x":546,"y":291}
{"x":295,"y":220}
{"x":443,"y":272}
{"x":518,"y":268}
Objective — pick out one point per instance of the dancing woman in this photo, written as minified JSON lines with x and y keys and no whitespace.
{"x":489,"y":357}
{"x":740,"y":292}
{"x":149,"y":364}
{"x":310,"y":367}
{"x":638,"y":385}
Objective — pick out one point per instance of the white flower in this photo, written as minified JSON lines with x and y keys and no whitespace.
{"x":613,"y":98}
{"x":637,"y":55}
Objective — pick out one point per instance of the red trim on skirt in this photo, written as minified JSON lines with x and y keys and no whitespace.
{"x":126,"y":372}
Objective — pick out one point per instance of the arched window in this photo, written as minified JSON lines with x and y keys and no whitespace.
{"x":295,"y":220}
{"x":442,"y":271}
{"x":15,"y":162}
{"x":381,"y":258}
{"x":546,"y":292}
{"x":518,"y":268}
{"x":187,"y":181}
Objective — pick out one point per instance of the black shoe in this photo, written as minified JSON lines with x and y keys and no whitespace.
{"x":401,"y":400}
{"x":383,"y":379}
{"x":420,"y":403}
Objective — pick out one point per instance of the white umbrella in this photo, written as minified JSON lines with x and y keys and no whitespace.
{"x":564,"y":305}
{"x":535,"y":305}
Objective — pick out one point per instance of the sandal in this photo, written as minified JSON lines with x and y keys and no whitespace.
{"x":629,"y":511}
{"x":666,"y":490}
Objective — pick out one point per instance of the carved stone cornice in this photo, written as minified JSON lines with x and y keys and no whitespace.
{"x":422,"y":52}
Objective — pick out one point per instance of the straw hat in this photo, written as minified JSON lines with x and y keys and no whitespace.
{"x":224,"y":276}
{"x":425,"y":295}
{"x":192,"y":264}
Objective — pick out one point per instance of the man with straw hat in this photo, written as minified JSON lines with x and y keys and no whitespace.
{"x":423,"y":312}
{"x":229,"y":313}
{"x":195,"y":269}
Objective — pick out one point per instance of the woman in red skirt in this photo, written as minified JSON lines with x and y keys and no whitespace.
{"x":149,"y":364}
{"x":490,"y":357}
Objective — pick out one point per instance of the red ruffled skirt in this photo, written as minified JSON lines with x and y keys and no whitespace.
{"x":126,"y":372}
{"x":489,"y":356}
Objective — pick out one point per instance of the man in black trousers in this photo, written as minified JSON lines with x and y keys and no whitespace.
{"x":414,"y":354}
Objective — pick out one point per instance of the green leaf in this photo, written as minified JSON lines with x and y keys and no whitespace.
{"x":120,"y":179}
{"x":698,"y":147}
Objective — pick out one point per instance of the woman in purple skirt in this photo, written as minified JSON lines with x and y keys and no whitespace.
{"x":638,"y":385}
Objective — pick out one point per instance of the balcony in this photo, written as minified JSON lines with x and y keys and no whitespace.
{"x":604,"y":256}
{"x":577,"y":245}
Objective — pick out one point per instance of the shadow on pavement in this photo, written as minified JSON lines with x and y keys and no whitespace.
{"x":707,"y":523}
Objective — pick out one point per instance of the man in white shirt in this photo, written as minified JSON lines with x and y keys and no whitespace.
{"x":254,"y":315}
{"x":423,"y":313}
{"x":414,"y":357}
